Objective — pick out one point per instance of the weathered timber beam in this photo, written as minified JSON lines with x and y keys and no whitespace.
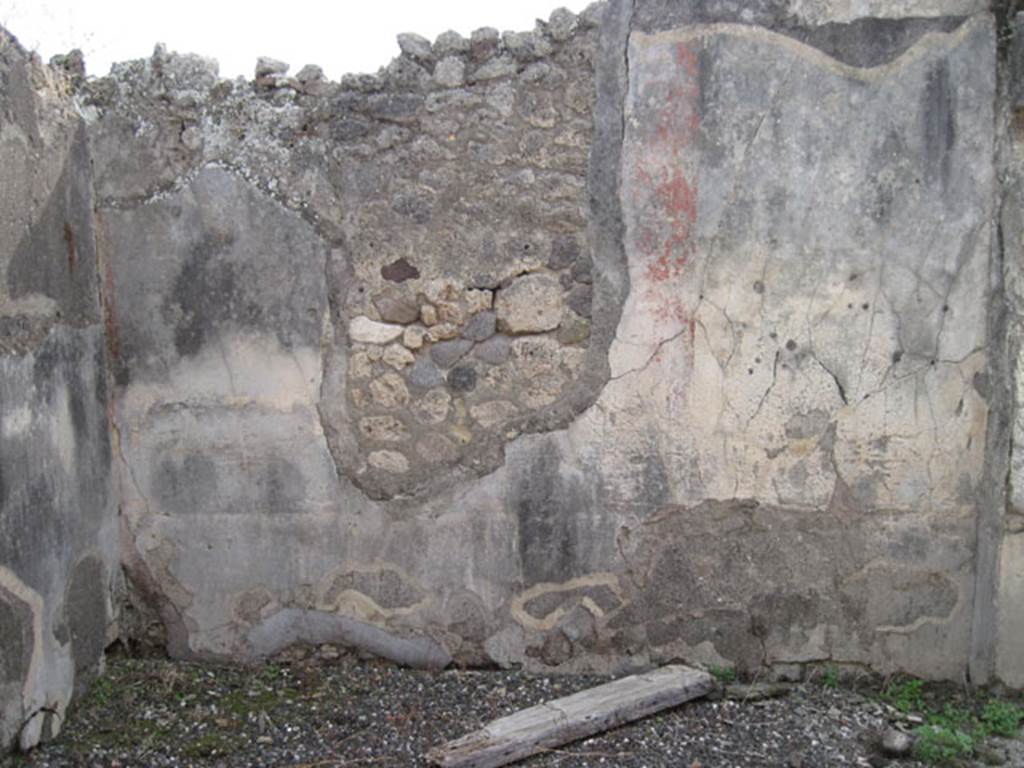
{"x":561,"y":721}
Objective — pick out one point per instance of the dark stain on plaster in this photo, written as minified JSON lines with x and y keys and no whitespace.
{"x":86,"y":382}
{"x":655,"y":486}
{"x":867,"y":42}
{"x":547,"y":508}
{"x":939,"y":116}
{"x":205,"y":292}
{"x":15,"y":638}
{"x":281,"y":487}
{"x":186,"y":488}
{"x":199,"y":484}
{"x":85,"y":611}
{"x":223,"y":260}
{"x":56,"y":257}
{"x":870,"y":42}
{"x":49,"y":506}
{"x":33,"y":524}
{"x":69,"y":241}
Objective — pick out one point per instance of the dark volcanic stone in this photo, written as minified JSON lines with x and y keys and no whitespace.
{"x":494,"y":351}
{"x":399,"y":271}
{"x":481,"y":327}
{"x":448,"y":353}
{"x":462,"y":379}
{"x":425,"y":375}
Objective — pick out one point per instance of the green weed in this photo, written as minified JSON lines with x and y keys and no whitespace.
{"x":906,"y":695}
{"x":830,"y":679}
{"x":940,"y":744}
{"x":102,"y":692}
{"x":1002,"y":718}
{"x":953,"y":732}
{"x":724,"y":675}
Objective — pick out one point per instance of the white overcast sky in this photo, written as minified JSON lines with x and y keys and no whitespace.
{"x":341,"y":36}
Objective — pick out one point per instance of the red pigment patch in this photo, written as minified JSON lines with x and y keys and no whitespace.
{"x":666,"y":190}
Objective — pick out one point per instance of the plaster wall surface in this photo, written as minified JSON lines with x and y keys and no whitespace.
{"x":377,"y":334}
{"x":58,"y":536}
{"x":666,"y":331}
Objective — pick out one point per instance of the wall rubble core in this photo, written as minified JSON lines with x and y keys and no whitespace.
{"x":659,"y":332}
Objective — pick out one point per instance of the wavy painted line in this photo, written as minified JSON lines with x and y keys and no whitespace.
{"x":518,"y":608}
{"x":931,"y":42}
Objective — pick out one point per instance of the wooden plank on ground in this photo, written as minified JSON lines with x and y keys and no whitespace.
{"x":583,"y":714}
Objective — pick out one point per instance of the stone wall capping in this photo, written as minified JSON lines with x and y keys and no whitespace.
{"x":484,"y":43}
{"x":416,"y":47}
{"x":526,"y":46}
{"x":266,"y":66}
{"x":451,"y":43}
{"x":363,"y":83}
{"x":561,"y":24}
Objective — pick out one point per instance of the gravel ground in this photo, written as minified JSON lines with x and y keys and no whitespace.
{"x":324,"y":711}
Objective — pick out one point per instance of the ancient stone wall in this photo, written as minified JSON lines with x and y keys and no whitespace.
{"x":58,"y":535}
{"x":667,"y":331}
{"x":335,"y":306}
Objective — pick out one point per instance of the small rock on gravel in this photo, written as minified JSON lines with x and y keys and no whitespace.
{"x":896,"y":743}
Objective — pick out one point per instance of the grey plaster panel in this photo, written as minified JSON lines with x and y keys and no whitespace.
{"x":215,"y":258}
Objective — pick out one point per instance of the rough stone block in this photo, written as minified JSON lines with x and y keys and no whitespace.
{"x":366,"y":331}
{"x":450,"y":72}
{"x":531,"y":304}
{"x":416,"y":46}
{"x":446,"y":353}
